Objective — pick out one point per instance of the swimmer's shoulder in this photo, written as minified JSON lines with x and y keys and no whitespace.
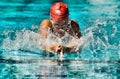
{"x":76,"y":28}
{"x":46,"y":24}
{"x":74,"y":22}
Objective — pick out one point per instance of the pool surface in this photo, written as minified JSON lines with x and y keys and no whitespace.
{"x":21,"y":54}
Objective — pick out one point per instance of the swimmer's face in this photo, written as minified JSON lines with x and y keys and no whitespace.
{"x":60,"y":22}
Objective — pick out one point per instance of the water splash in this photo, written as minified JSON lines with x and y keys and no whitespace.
{"x":24,"y":39}
{"x":97,"y":41}
{"x":27,"y":39}
{"x":102,"y":41}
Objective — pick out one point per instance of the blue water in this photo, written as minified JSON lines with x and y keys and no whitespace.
{"x":21,"y":54}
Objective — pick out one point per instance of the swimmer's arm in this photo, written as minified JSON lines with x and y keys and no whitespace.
{"x":44,"y":26}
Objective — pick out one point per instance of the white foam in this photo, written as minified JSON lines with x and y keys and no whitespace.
{"x":95,"y":36}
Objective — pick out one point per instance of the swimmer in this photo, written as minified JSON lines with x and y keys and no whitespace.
{"x":58,"y":24}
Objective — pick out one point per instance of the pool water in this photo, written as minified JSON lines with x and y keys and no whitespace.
{"x":21,"y":54}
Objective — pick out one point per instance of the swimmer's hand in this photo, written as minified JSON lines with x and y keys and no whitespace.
{"x":59,"y":49}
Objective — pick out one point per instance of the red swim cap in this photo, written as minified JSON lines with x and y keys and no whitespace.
{"x":59,"y":11}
